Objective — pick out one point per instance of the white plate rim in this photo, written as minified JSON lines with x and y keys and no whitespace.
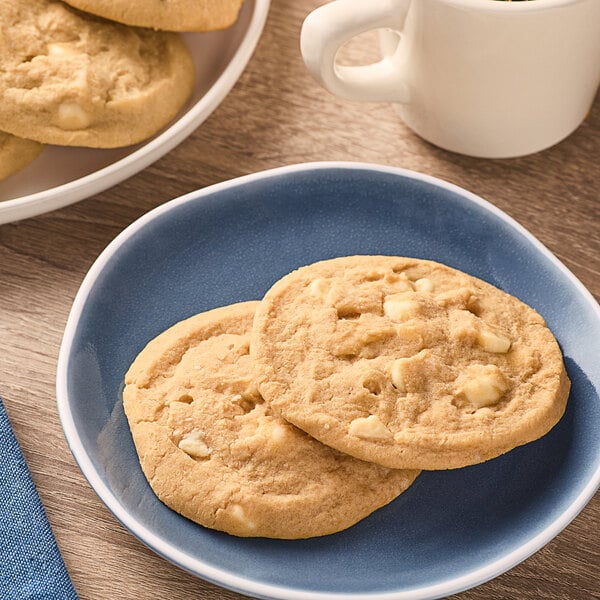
{"x":63,"y":195}
{"x":246,"y":585}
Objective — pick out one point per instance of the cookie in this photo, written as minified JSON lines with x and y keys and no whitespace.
{"x":174,"y":15}
{"x":72,"y":79}
{"x":16,"y":153}
{"x":213,"y":451}
{"x":407,"y":363}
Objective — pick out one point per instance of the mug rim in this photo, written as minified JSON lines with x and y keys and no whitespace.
{"x":515,"y":7}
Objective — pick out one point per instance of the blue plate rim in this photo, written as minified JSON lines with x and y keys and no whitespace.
{"x":224,"y":577}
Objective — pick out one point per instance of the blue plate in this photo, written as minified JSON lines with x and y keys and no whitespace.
{"x":230,"y":242}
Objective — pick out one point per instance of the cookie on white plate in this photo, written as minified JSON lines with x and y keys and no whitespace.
{"x":70,"y":78}
{"x":174,"y":15}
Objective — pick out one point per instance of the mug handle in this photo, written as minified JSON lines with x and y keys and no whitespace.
{"x":330,"y":26}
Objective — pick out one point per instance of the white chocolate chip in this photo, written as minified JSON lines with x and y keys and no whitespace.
{"x":278,"y":433}
{"x":71,"y":116}
{"x":318,"y":287}
{"x":398,"y":373}
{"x":370,"y":428}
{"x":464,"y":324}
{"x":410,"y":373}
{"x":399,"y":308}
{"x":61,"y":49}
{"x":193,"y":445}
{"x":481,"y":392}
{"x":424,"y":285}
{"x":482,"y":385}
{"x":237,"y":512}
{"x":491,"y":341}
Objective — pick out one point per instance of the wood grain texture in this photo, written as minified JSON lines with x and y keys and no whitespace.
{"x":275,"y":115}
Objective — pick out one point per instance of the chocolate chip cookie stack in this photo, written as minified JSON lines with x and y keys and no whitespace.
{"x":302,"y":413}
{"x":72,"y":78}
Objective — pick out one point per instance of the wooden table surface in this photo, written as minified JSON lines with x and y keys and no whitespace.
{"x":275,"y":115}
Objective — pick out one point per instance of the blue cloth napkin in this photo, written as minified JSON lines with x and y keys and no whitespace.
{"x":31,"y":567}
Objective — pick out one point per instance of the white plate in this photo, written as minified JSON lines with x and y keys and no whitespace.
{"x":63,"y":176}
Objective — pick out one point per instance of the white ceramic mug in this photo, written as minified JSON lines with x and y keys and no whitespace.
{"x":487,"y":78}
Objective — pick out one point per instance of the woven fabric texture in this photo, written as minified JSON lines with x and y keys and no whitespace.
{"x":31,"y":567}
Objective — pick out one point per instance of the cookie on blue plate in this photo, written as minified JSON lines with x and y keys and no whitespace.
{"x":406,"y":362}
{"x":215,"y":452}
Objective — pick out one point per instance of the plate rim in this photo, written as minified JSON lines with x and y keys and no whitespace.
{"x":224,"y":577}
{"x":37,"y":203}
